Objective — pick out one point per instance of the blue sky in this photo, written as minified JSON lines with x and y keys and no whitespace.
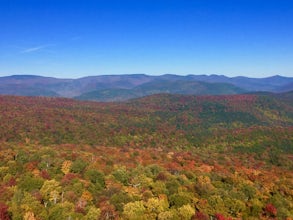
{"x":71,"y":39}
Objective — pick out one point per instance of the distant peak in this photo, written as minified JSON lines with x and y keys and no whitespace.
{"x":276,"y":76}
{"x":24,"y":76}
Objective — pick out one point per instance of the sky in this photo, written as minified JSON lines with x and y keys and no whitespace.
{"x":76,"y":38}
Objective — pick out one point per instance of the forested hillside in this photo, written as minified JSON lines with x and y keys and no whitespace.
{"x":158,"y":157}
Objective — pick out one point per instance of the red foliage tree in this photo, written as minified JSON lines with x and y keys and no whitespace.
{"x":4,"y":215}
{"x":219,"y":216}
{"x":271,"y":209}
{"x":68,"y":178}
{"x":45,"y":175}
{"x":11,"y":182}
{"x":108,"y":211}
{"x":200,"y":216}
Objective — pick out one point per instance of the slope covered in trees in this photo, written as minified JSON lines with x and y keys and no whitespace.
{"x":167,"y":120}
{"x":158,"y":157}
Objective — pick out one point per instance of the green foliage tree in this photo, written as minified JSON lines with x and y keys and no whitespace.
{"x":121,"y":175}
{"x":180,"y":199}
{"x":172,"y":186}
{"x":63,"y":211}
{"x":120,"y":199}
{"x":255,"y":208}
{"x":78,"y":166}
{"x":95,"y":176}
{"x":15,"y":204}
{"x":29,"y":183}
{"x":159,"y":187}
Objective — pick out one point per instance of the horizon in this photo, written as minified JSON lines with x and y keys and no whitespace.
{"x":75,"y":39}
{"x":145,"y":74}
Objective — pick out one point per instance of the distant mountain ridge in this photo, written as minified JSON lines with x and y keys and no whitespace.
{"x":124,"y":87}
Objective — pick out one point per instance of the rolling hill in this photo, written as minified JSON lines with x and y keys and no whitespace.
{"x":162,"y":86}
{"x":124,"y":87}
{"x":185,"y":119}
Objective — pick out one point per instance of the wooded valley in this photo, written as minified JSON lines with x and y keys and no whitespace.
{"x":157,"y":157}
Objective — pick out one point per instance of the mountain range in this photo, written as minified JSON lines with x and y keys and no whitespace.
{"x":124,"y":87}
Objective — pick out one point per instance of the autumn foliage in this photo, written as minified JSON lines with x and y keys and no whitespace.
{"x":159,"y":157}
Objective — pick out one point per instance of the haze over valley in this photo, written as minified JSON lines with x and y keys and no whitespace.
{"x":124,"y":87}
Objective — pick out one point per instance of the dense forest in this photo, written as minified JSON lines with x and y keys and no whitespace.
{"x":158,"y":157}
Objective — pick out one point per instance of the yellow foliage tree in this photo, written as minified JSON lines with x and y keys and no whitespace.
{"x":87,"y":196}
{"x":186,"y":212}
{"x":93,"y":213}
{"x":66,"y":166}
{"x":155,"y":206}
{"x":134,"y":211}
{"x":29,"y":216}
{"x":51,"y":190}
{"x":167,"y":215}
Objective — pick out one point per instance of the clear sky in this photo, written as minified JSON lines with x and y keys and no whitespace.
{"x":75,"y":38}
